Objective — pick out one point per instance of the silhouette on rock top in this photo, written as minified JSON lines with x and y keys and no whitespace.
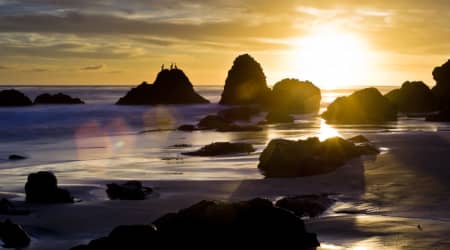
{"x":170,"y":87}
{"x":292,"y":96}
{"x":12,"y":97}
{"x":59,"y":98}
{"x":442,"y":89}
{"x":412,"y":97}
{"x":245,"y":83}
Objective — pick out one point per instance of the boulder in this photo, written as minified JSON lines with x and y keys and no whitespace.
{"x":279,"y":117}
{"x":16,"y":157}
{"x":245,"y":83}
{"x":362,"y":107}
{"x":413,"y":97}
{"x":256,"y":222}
{"x":170,"y":87}
{"x":8,"y":208}
{"x":213,"y":122}
{"x":243,"y":113}
{"x":41,"y":187}
{"x":130,"y":190}
{"x":441,"y":90}
{"x":13,"y":236}
{"x":291,"y":96}
{"x":306,"y":205}
{"x":358,"y":139}
{"x":59,"y":98}
{"x":286,"y":158}
{"x":12,"y":97}
{"x":187,"y":127}
{"x":222,"y":148}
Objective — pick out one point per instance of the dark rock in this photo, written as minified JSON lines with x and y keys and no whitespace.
{"x":130,"y":190}
{"x":11,"y":97}
{"x":187,"y":127}
{"x":16,"y":157}
{"x":413,"y":97}
{"x":13,"y":236}
{"x":59,"y":98}
{"x":279,"y":117}
{"x":291,"y":96}
{"x":285,"y":158}
{"x":441,"y":116}
{"x":243,"y":113}
{"x":213,"y":122}
{"x":170,"y":87}
{"x":362,"y":107}
{"x":358,"y":139}
{"x":245,"y":83}
{"x":240,"y":128}
{"x":7,"y":208}
{"x":222,"y":148}
{"x":41,"y":187}
{"x":441,"y":91}
{"x":306,"y":205}
{"x":182,"y":145}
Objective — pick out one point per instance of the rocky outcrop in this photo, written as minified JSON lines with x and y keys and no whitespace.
{"x":11,"y":98}
{"x":441,"y":91}
{"x":16,"y":157}
{"x":413,"y":97}
{"x":170,"y":87}
{"x":220,"y":124}
{"x":130,"y":190}
{"x":285,"y":158}
{"x":242,"y":113}
{"x":245,"y":83}
{"x":306,"y":205}
{"x":255,"y":223}
{"x":362,"y":107}
{"x":291,"y":96}
{"x":42,"y":187}
{"x":222,"y":148}
{"x":59,"y":98}
{"x":13,"y":236}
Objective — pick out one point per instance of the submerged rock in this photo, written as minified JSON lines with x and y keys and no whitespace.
{"x":170,"y":87}
{"x":245,"y":83}
{"x":441,"y":91}
{"x":41,"y":187}
{"x":243,"y":113}
{"x":361,"y":107}
{"x":12,"y":97}
{"x":291,"y":96}
{"x":213,"y":122}
{"x":222,"y":148}
{"x":285,"y":158}
{"x":413,"y":97}
{"x":279,"y":117}
{"x":13,"y":236}
{"x":16,"y":157}
{"x":130,"y":190}
{"x":306,"y":205}
{"x":59,"y":98}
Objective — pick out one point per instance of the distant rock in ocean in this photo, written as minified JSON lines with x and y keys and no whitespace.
{"x":245,"y":83}
{"x":12,"y":97}
{"x":170,"y":87}
{"x":130,"y":190}
{"x":441,"y":91}
{"x":42,"y":187}
{"x":59,"y":98}
{"x":223,"y":148}
{"x":362,"y":107}
{"x":291,"y":96}
{"x":413,"y":97}
{"x":15,"y":157}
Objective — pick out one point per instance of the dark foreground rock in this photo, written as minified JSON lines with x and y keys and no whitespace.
{"x":306,"y":205}
{"x":170,"y":87}
{"x":16,"y":157}
{"x":8,"y":208}
{"x":285,"y":158}
{"x":253,"y":223}
{"x":245,"y":83}
{"x":362,"y":107}
{"x":11,"y":98}
{"x":291,"y":96}
{"x":59,"y":98}
{"x":441,"y":91}
{"x":222,"y":148}
{"x":42,"y":187}
{"x":130,"y":190}
{"x":13,"y":236}
{"x":413,"y":97}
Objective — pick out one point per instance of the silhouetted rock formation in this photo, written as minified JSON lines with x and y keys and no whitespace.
{"x":16,"y":157}
{"x":218,"y":123}
{"x":441,"y":91}
{"x":441,"y":116}
{"x":187,"y":127}
{"x":243,"y":113}
{"x":130,"y":190}
{"x":222,"y":148}
{"x":59,"y":98}
{"x":245,"y":83}
{"x":292,"y":96}
{"x":12,"y":97}
{"x":285,"y":158}
{"x":13,"y":236}
{"x":42,"y":187}
{"x":358,"y":139}
{"x":306,"y":205}
{"x":363,"y":106}
{"x":213,"y":122}
{"x":256,"y":223}
{"x":413,"y":97}
{"x":170,"y":87}
{"x":8,"y":208}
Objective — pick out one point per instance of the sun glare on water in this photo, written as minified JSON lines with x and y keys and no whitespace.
{"x":332,"y":58}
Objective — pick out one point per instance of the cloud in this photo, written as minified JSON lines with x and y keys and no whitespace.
{"x":93,"y":67}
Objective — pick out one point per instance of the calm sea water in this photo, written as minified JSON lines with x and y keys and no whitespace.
{"x":101,"y":140}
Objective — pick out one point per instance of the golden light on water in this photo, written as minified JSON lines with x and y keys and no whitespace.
{"x":326,"y":131}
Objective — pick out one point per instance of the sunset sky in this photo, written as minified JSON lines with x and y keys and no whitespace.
{"x":332,"y":43}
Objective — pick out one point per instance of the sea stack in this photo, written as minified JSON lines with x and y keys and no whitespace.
{"x":171,"y":86}
{"x":12,"y":97}
{"x":413,"y":97}
{"x":59,"y":98}
{"x":441,"y":91}
{"x":245,"y":83}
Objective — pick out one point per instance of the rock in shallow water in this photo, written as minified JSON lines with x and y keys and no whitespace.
{"x":13,"y":236}
{"x":222,"y":148}
{"x":306,"y":205}
{"x":41,"y":187}
{"x":12,"y":97}
{"x":130,"y":190}
{"x":16,"y":157}
{"x":59,"y":98}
